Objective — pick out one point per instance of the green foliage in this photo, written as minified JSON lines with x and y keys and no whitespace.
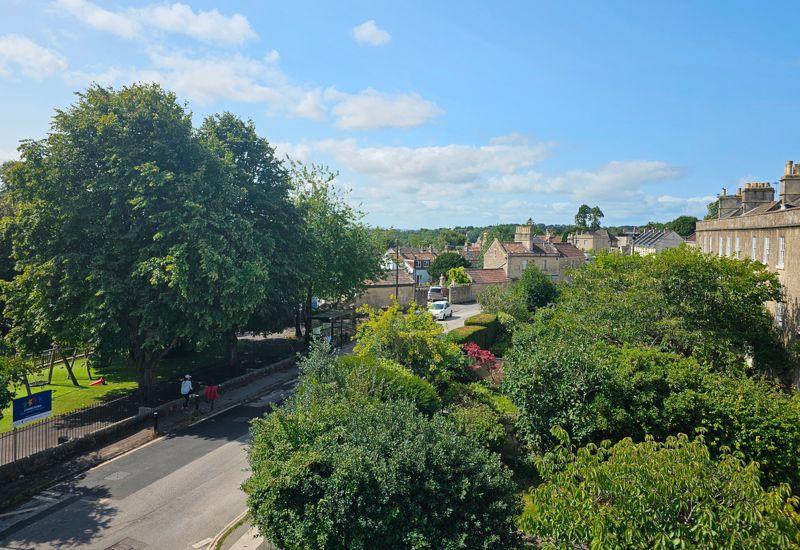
{"x":588,"y":218}
{"x":12,"y":371}
{"x":391,"y":381}
{"x":656,"y":495}
{"x":599,"y":392}
{"x":680,"y":300}
{"x":412,"y":339}
{"x":483,"y":336}
{"x":682,"y":225}
{"x":444,"y":262}
{"x":342,"y":253}
{"x":345,"y":474}
{"x":480,"y":424}
{"x":503,"y":299}
{"x":133,"y":233}
{"x":521,"y":298}
{"x":482,"y":320}
{"x":535,"y":289}
{"x":458,"y":276}
{"x":712,"y":211}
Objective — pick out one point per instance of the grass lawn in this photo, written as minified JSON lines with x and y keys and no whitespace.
{"x":120,"y":380}
{"x":121,"y":375}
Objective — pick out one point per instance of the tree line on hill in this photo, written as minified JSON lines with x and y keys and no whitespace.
{"x":131,"y":232}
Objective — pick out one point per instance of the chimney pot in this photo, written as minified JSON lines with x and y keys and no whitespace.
{"x":790,"y":169}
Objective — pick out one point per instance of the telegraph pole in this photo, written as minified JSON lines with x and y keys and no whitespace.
{"x":396,"y":270}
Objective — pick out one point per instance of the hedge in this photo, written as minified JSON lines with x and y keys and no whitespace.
{"x":395,"y":381}
{"x":483,"y":336}
{"x":481,"y":320}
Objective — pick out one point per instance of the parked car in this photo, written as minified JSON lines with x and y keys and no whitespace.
{"x":441,"y":310}
{"x":437,"y":293}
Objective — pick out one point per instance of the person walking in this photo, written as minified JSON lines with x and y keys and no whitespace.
{"x":186,"y":389}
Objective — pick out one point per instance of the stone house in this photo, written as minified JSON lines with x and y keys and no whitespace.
{"x":528,"y":249}
{"x":379,"y":293}
{"x":654,"y":241}
{"x":753,"y":224}
{"x":592,"y":241}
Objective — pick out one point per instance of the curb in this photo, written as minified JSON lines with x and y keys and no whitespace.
{"x":214,"y":544}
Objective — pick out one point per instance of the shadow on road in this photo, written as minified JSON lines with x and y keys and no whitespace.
{"x":75,"y":525}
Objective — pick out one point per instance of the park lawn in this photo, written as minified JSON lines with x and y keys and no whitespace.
{"x":120,"y":377}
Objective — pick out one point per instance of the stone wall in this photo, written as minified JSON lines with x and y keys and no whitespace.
{"x":381,"y":296}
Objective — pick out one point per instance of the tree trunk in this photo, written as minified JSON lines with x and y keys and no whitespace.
{"x":309,"y":296}
{"x":145,"y":372}
{"x":298,"y":325}
{"x":230,"y":344}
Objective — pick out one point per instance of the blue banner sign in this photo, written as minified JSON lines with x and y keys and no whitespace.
{"x":33,"y":407}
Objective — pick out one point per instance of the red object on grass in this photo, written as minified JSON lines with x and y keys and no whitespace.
{"x":101,"y":380}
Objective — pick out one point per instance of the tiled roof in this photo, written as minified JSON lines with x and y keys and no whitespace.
{"x":515,"y":248}
{"x":557,"y":239}
{"x":488,"y":276}
{"x":650,"y":238}
{"x":691,"y":238}
{"x":569,"y":250}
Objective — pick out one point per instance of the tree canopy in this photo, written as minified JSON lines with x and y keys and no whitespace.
{"x":131,"y":232}
{"x":656,"y":495}
{"x":682,"y":225}
{"x":443,"y":263}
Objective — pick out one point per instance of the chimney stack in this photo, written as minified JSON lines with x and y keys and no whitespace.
{"x":790,"y":184}
{"x":756,"y":194}
{"x":728,"y":204}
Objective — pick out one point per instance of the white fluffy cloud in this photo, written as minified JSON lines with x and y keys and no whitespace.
{"x":371,"y":109}
{"x":368,"y":32}
{"x":494,"y":182}
{"x":236,"y":77}
{"x":29,"y":57}
{"x":420,"y":167}
{"x":177,"y":18}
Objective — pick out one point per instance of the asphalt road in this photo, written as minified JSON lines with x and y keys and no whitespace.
{"x":461,"y":312}
{"x":177,"y":492}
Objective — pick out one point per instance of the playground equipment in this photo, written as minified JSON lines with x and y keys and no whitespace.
{"x":47,"y":360}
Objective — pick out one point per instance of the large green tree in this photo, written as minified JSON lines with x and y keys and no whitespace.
{"x":683,"y":225}
{"x":443,"y":263}
{"x":341,"y":253}
{"x":128,"y":233}
{"x":265,"y":202}
{"x":363,"y":474}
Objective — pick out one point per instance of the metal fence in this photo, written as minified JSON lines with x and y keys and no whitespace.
{"x":56,"y":430}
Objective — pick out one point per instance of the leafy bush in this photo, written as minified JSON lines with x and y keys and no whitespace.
{"x":536,"y":289}
{"x":503,"y":299}
{"x":656,"y":495}
{"x":412,"y":339}
{"x":12,"y":373}
{"x":679,"y":300}
{"x":488,"y":320}
{"x":601,"y":392}
{"x":480,"y":424}
{"x":481,"y":320}
{"x":364,"y":474}
{"x":391,"y":381}
{"x":458,"y":275}
{"x":477,"y":334}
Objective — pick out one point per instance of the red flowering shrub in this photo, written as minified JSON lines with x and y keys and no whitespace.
{"x":483,"y":356}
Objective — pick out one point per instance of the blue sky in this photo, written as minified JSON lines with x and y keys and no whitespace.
{"x":449,"y":113}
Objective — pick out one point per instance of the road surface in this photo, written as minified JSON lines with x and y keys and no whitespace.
{"x":177,"y":492}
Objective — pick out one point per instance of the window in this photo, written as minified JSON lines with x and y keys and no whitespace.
{"x":738,"y":251}
{"x":780,"y":314}
{"x":766,"y":250}
{"x":426,"y":263}
{"x":524,"y":264}
{"x":544,"y":265}
{"x":719,"y":250}
{"x":417,"y":264}
{"x":753,"y":245}
{"x":728,"y":247}
{"x":781,"y":251}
